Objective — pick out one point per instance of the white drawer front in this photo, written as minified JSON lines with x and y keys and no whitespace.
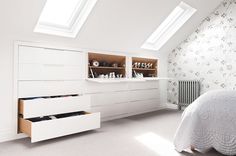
{"x":123,"y":97}
{"x":92,"y":87}
{"x":48,"y":88}
{"x":48,"y":64}
{"x":143,"y":85}
{"x":141,"y":106}
{"x":109,"y":98}
{"x":30,"y":54}
{"x":34,"y":55}
{"x":66,"y":126}
{"x":143,"y":95}
{"x":49,"y":72}
{"x":51,"y":106}
{"x":126,"y":108}
{"x":111,"y":111}
{"x":44,"y":130}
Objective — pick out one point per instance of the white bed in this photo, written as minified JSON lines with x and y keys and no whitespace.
{"x":209,"y":122}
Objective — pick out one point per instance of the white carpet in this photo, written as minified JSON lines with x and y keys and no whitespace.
{"x":143,"y":135}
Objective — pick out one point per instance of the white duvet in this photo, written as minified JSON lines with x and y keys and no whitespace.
{"x":209,"y":122}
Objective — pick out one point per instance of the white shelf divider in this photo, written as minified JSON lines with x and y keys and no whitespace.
{"x":120,"y":80}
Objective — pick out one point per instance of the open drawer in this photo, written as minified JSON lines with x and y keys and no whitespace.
{"x":48,"y":106}
{"x":64,"y":124}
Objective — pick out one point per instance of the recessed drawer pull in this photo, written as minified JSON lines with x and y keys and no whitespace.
{"x":54,"y":65}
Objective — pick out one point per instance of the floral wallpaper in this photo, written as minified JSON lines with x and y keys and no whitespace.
{"x":208,"y":55}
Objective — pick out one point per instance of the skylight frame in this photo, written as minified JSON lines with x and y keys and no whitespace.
{"x":71,"y":19}
{"x":72,"y":28}
{"x":176,"y":19}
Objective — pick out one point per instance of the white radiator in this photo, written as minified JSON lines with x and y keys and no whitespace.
{"x":189,"y":90}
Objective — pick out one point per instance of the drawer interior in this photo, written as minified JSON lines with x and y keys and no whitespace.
{"x":57,"y":116}
{"x":25,"y":125}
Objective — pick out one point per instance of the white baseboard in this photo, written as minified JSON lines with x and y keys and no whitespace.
{"x":8,"y":135}
{"x":171,"y":106}
{"x":109,"y":118}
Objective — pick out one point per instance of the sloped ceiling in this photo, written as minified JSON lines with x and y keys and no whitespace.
{"x":115,"y":25}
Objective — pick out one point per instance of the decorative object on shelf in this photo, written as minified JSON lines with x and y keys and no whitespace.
{"x":104,"y":64}
{"x":137,"y":75}
{"x":112,"y":75}
{"x":139,"y":65}
{"x":135,"y":65}
{"x":115,"y":65}
{"x":95,"y":74}
{"x":140,"y":75}
{"x":95,"y":63}
{"x":143,"y":65}
{"x":149,"y":66}
{"x":91,"y":71}
{"x":101,"y":76}
{"x":119,"y":75}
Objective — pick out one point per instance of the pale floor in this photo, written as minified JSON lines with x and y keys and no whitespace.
{"x":149,"y":134}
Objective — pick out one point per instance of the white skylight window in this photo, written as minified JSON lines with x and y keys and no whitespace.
{"x":169,"y":27}
{"x":64,"y":17}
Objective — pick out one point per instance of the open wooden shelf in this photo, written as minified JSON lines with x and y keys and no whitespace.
{"x":148,"y":72}
{"x":106,"y":62}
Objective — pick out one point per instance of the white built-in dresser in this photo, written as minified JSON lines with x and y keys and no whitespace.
{"x":51,"y":99}
{"x":53,"y":81}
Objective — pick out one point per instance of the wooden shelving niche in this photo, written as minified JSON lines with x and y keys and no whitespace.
{"x":144,"y":67}
{"x":106,"y":66}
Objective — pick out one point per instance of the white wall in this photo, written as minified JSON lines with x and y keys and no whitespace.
{"x":126,"y":34}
